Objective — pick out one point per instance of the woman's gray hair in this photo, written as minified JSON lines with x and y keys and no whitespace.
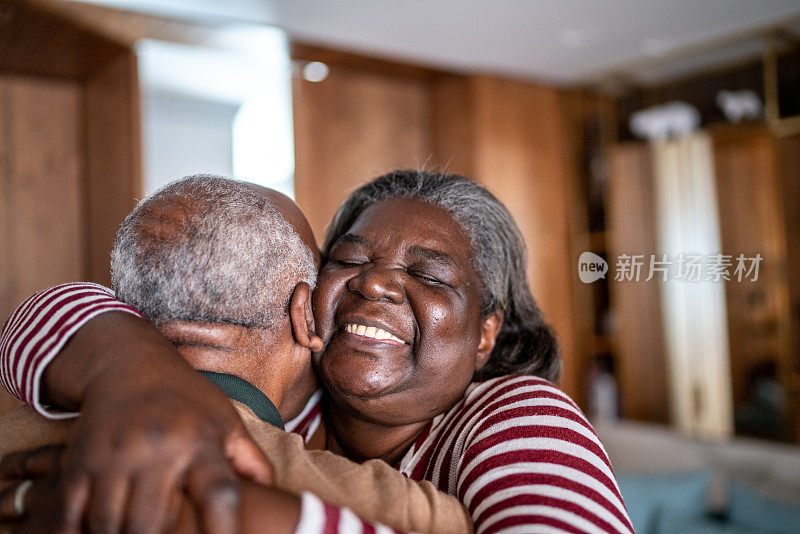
{"x":525,"y":344}
{"x":208,"y":248}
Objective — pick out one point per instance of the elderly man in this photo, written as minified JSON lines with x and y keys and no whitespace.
{"x":224,"y":270}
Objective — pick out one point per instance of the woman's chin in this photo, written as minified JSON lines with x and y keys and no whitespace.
{"x":362,"y":379}
{"x":366,"y":374}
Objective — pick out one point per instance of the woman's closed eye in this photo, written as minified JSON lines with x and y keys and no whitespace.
{"x":426,"y":278}
{"x":349,"y":262}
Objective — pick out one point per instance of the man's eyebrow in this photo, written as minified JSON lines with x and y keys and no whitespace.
{"x":433,"y":255}
{"x":353,"y":238}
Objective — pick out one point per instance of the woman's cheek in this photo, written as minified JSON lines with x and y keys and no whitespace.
{"x":324,"y":299}
{"x":443,"y":322}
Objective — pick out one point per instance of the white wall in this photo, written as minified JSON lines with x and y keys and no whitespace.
{"x":186,"y":136}
{"x":223,"y":106}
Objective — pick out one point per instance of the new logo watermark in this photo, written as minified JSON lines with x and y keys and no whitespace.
{"x":591,"y":267}
{"x":683,"y":267}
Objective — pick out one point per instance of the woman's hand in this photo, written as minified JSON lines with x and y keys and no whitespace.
{"x":151,"y":427}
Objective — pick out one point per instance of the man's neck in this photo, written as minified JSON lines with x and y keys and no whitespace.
{"x":246,"y":393}
{"x":252,"y":354}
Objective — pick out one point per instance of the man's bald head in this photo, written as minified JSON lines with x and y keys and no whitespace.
{"x":211,"y":249}
{"x":290,"y":211}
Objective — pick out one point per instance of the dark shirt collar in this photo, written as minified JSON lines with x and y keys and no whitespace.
{"x":243,"y":391}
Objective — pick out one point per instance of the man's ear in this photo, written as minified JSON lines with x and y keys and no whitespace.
{"x":490,"y":328}
{"x":302,"y":318}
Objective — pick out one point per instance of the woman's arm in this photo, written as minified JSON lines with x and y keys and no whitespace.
{"x":150,"y":422}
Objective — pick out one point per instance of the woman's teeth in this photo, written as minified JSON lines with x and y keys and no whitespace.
{"x":371,"y":332}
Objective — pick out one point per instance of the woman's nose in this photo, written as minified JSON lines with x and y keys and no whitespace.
{"x":378,"y":283}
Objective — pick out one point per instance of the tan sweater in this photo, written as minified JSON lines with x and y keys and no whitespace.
{"x":372,"y":490}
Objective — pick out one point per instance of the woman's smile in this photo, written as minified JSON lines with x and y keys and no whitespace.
{"x":373,"y":333}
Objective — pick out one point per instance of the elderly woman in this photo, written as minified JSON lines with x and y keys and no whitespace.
{"x":437,"y":360}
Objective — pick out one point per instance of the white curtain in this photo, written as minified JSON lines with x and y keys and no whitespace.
{"x":694,"y":311}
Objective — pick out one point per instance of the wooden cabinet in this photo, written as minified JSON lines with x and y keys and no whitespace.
{"x":636,"y":306}
{"x":750,"y":186}
{"x":756,"y":178}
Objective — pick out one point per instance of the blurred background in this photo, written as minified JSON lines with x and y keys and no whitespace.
{"x":627,"y":129}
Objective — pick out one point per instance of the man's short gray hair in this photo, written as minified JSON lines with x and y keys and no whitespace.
{"x":208,"y":248}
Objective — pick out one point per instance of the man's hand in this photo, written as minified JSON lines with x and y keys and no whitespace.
{"x":128,"y":457}
{"x":151,"y":428}
{"x":34,"y":484}
{"x":44,"y":504}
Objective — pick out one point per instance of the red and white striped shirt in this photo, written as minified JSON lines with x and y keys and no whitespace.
{"x":40,"y":327}
{"x":515,"y":450}
{"x":520,"y":455}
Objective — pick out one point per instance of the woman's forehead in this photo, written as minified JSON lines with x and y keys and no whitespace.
{"x":417,"y":224}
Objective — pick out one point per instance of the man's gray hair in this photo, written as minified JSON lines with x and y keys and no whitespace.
{"x":208,"y":248}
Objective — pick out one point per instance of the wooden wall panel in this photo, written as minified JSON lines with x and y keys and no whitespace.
{"x":789,"y":192}
{"x":41,"y":205}
{"x":7,"y":402}
{"x":69,"y":150}
{"x":37,"y":40}
{"x":352,"y":127}
{"x":42,"y":188}
{"x":113,"y":157}
{"x":454,"y":126}
{"x":521,"y":153}
{"x":642,"y":369}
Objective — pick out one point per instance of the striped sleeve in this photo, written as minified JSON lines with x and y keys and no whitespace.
{"x":530,"y":457}
{"x":40,"y":327}
{"x":319,"y":517}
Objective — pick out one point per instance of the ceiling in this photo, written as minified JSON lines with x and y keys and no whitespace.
{"x":558,"y":41}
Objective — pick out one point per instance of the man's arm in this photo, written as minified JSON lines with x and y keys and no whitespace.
{"x":143,"y":407}
{"x":262,"y":508}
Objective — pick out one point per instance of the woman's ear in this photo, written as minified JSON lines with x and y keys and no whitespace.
{"x":302,"y":317}
{"x":490,"y":328}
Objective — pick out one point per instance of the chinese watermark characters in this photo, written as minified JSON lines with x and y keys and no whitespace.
{"x":663,"y":267}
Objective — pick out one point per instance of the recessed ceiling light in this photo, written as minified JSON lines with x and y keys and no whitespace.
{"x":315,"y":71}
